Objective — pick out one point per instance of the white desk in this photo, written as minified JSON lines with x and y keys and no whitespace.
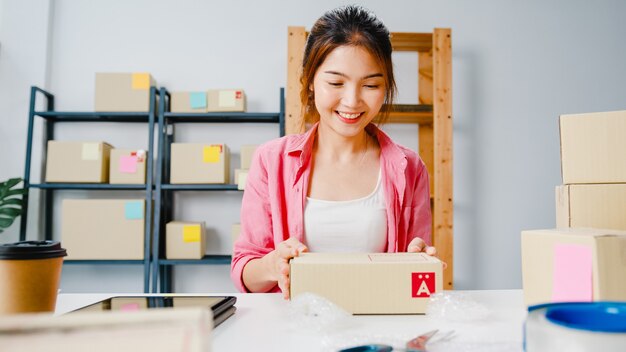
{"x":265,"y":322}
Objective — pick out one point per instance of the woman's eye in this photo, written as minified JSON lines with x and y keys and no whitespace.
{"x":335,"y":84}
{"x":372,"y":86}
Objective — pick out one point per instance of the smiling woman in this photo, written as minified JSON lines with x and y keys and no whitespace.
{"x":343,"y":186}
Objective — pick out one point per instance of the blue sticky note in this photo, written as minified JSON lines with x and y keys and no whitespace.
{"x":197,"y":100}
{"x":133,"y":210}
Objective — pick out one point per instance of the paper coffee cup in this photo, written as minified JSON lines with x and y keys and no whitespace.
{"x":30,"y":272}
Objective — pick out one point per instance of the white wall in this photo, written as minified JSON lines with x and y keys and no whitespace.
{"x":516,"y":67}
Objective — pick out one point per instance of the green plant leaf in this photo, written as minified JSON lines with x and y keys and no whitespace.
{"x":5,"y":223}
{"x":12,"y":182}
{"x":10,"y":212}
{"x":11,"y":201}
{"x":14,"y":192}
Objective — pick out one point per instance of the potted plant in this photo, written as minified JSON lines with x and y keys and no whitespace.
{"x":10,"y":202}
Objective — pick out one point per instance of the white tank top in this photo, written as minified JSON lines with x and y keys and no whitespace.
{"x":358,"y":225}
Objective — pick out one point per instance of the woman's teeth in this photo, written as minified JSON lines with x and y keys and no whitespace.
{"x":348,"y":116}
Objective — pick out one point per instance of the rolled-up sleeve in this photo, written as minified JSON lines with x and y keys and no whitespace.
{"x":419,"y":213}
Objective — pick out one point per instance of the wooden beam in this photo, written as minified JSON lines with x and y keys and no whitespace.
{"x":442,"y":106}
{"x":296,"y":41}
{"x":425,"y":134}
{"x":421,"y":42}
{"x":425,"y":96}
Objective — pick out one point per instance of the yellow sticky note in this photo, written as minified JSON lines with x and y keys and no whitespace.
{"x":211,"y":153}
{"x":91,"y":151}
{"x":191,"y":233}
{"x":141,"y":81}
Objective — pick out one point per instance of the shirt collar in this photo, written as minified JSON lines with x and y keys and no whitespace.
{"x":303,"y":146}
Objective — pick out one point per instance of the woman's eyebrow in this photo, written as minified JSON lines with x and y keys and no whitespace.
{"x":346,"y":76}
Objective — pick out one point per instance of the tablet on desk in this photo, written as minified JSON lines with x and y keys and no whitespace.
{"x":222,"y":306}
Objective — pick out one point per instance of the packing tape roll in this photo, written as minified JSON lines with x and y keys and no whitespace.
{"x":579,"y":326}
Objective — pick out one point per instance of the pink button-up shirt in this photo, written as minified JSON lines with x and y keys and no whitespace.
{"x":273,"y":203}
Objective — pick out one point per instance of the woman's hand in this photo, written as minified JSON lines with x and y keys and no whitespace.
{"x":418,"y":245}
{"x":277,"y":262}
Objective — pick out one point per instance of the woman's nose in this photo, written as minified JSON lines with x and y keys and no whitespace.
{"x":351,"y":97}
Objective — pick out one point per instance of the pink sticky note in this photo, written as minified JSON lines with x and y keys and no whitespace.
{"x":572,"y":277}
{"x":128,"y":164}
{"x":129,"y":307}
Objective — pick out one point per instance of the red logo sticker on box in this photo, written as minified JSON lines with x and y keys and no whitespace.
{"x":238,"y":94}
{"x":422,"y":284}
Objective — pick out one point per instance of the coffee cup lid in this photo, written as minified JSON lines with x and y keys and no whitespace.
{"x":32,"y":250}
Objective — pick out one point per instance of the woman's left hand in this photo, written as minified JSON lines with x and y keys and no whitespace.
{"x":418,"y":245}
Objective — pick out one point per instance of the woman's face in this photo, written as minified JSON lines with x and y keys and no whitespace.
{"x":349,"y":90}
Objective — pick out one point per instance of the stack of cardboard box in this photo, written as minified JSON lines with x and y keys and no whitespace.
{"x":214,"y":100}
{"x":241,"y":175}
{"x":584,"y":259}
{"x":94,"y":162}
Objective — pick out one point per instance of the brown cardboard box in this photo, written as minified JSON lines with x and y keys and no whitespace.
{"x":226,"y":100}
{"x":189,"y":102}
{"x":235,"y":231}
{"x":573,"y":264}
{"x":361,"y":283}
{"x":184,"y":240}
{"x":593,"y":147}
{"x":595,"y":205}
{"x":80,"y":162}
{"x":128,"y":166}
{"x":247,"y":151}
{"x":197,"y":163}
{"x":103,"y":228}
{"x":128,"y":92}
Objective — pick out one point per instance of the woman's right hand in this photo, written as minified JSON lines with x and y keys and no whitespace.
{"x":277,"y":262}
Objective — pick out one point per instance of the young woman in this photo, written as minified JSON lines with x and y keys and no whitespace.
{"x":343,"y":186}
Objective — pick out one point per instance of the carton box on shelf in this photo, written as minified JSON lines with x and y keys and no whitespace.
{"x":573,"y":265}
{"x":103,"y":228}
{"x":593,"y":147}
{"x":226,"y":100}
{"x":128,"y":166}
{"x":591,"y":205}
{"x":241,"y":177}
{"x":184,"y":240}
{"x":189,"y":102}
{"x":197,"y":163}
{"x":123,"y":92}
{"x":247,"y":151}
{"x":377,"y":283}
{"x":80,"y":162}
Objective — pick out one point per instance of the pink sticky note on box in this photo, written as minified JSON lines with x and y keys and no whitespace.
{"x":128,"y":164}
{"x":130,"y":307}
{"x":572,"y":278}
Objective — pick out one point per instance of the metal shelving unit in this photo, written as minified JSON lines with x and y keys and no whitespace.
{"x":162,"y":275}
{"x":51,"y":117}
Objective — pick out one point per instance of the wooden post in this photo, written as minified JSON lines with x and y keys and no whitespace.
{"x":425,"y":96}
{"x":293,"y":108}
{"x":442,"y":108}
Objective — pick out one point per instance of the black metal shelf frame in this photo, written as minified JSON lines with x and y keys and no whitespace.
{"x":51,"y":117}
{"x":162,"y":273}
